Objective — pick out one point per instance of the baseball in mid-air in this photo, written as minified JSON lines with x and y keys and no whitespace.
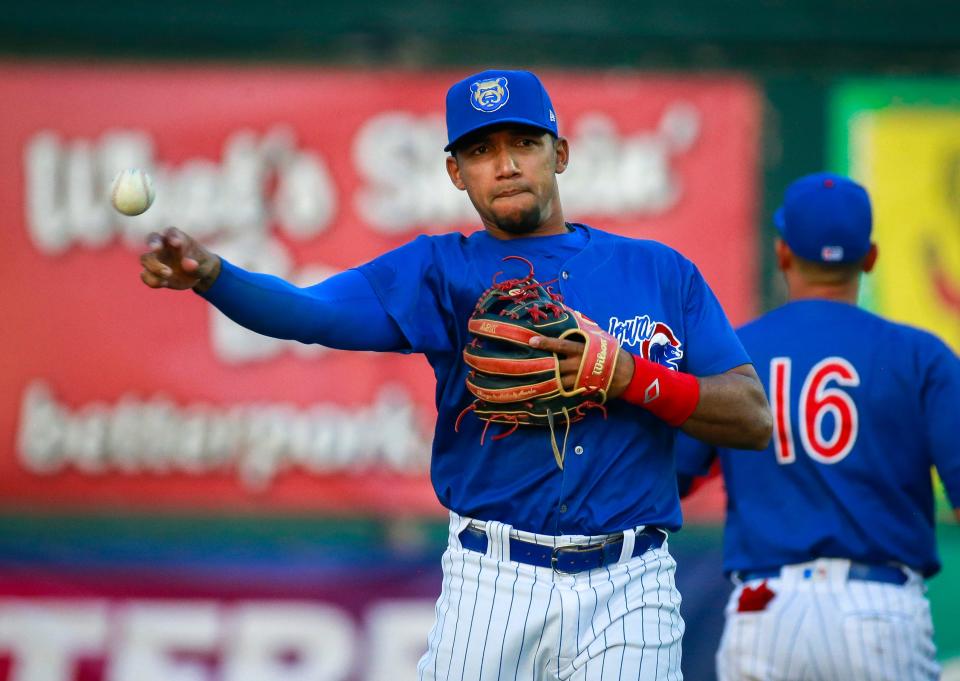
{"x":132,"y":191}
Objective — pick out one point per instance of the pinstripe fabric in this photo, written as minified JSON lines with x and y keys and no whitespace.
{"x":826,"y":628}
{"x":521,"y":635}
{"x":823,"y":665}
{"x":502,"y":620}
{"x":896,"y":654}
{"x":440,"y":614}
{"x":462,"y":594}
{"x":623,"y":624}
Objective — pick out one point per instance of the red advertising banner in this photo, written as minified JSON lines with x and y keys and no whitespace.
{"x":359,"y":628}
{"x":116,"y":396}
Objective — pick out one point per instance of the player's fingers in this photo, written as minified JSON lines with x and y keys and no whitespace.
{"x":174,"y":237}
{"x":544,"y":343}
{"x":561,"y":346}
{"x":152,"y":280}
{"x":155,"y":242}
{"x":190,"y":265}
{"x":154,"y":266}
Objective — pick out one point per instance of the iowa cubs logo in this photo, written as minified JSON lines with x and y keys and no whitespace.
{"x":489,"y":95}
{"x":654,"y":340}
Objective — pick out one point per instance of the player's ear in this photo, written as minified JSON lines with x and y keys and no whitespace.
{"x":783,"y":253}
{"x":562,"y":148}
{"x":871,"y":258}
{"x":453,"y":170}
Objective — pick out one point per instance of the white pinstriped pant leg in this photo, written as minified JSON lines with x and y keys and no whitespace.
{"x":772,"y":643}
{"x":889,"y":631}
{"x":630,"y":625}
{"x":439,"y":642}
{"x":834,"y":630}
{"x":500,"y":619}
{"x":495,"y":617}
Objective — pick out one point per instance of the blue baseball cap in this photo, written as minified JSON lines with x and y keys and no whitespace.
{"x":494,"y":97}
{"x":826,"y":218}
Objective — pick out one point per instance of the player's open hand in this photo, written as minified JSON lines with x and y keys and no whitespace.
{"x":570,"y":353}
{"x":177,"y":261}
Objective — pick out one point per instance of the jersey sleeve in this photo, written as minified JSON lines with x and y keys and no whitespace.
{"x":712,"y":346}
{"x":408,"y":282}
{"x":941,"y":409}
{"x":340,"y":312}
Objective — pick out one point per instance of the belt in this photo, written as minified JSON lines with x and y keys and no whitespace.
{"x":888,"y":574}
{"x":571,"y":558}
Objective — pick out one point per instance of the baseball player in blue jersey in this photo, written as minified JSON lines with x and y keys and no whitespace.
{"x":557,"y":565}
{"x":830,"y":531}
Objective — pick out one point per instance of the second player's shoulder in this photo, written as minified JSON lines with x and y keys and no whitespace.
{"x":811,"y":316}
{"x":876,"y":329}
{"x":784,"y":318}
{"x":925,"y":347}
{"x":817,"y":324}
{"x":914,"y":333}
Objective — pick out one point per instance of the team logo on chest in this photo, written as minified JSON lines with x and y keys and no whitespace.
{"x":489,"y":95}
{"x":655,"y":340}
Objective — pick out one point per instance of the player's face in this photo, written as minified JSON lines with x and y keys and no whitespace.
{"x":509,"y":173}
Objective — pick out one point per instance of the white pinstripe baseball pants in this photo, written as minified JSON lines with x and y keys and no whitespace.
{"x":830,"y":629}
{"x":499,"y":619}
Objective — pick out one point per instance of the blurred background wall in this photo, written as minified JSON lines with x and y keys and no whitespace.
{"x":183,"y":500}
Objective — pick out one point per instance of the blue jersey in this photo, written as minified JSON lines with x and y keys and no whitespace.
{"x":863,"y":408}
{"x":621,"y":473}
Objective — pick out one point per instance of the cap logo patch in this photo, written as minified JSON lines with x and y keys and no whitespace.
{"x":489,"y":95}
{"x":831,"y":253}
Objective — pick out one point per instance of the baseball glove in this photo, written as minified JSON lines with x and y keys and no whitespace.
{"x":519,"y":385}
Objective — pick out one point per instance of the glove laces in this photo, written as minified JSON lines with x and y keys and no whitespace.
{"x":558,"y":453}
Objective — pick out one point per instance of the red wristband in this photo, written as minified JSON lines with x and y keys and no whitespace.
{"x":667,"y":394}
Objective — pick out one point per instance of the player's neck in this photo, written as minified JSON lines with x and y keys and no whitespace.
{"x":842,"y":293}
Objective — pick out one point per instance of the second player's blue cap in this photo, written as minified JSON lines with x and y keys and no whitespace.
{"x":494,"y":97}
{"x":826,"y":218}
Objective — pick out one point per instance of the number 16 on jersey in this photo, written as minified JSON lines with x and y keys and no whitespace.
{"x":822,"y":396}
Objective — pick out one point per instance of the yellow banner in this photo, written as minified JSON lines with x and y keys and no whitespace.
{"x":909,"y":159}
